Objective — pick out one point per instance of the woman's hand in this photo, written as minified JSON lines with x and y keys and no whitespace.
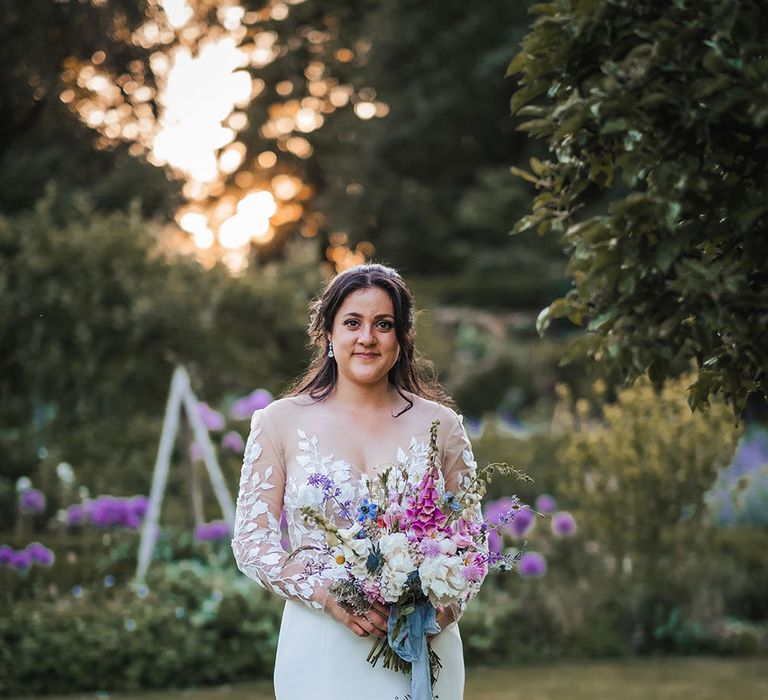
{"x":444,"y":617}
{"x":374,"y":622}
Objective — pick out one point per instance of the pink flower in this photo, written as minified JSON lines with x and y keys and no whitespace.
{"x":423,"y":516}
{"x":429,"y":547}
{"x":233,"y":441}
{"x":213,"y":420}
{"x":393,"y":517}
{"x":474,"y":571}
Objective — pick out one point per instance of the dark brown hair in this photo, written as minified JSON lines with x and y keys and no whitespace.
{"x":322,"y":374}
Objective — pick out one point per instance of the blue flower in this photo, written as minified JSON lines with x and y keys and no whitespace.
{"x":366,"y":510}
{"x":450,"y":499}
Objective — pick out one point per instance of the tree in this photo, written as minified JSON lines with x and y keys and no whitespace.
{"x":94,"y":316}
{"x":661,"y":107}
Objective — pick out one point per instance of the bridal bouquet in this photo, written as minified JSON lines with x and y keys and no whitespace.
{"x":413,"y":546}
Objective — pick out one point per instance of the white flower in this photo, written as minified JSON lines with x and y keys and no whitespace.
{"x":392,"y":583}
{"x":394,"y":549}
{"x":442,"y":580}
{"x":398,"y":564}
{"x":355,"y":551}
{"x":349,"y":533}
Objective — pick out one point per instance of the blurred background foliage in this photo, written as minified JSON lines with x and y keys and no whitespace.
{"x":381,"y":130}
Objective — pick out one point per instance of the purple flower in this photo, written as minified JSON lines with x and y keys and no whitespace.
{"x":473,"y":572}
{"x":233,"y":441}
{"x":138,"y":505}
{"x":21,"y":560}
{"x":32,"y":501}
{"x":330,"y":490}
{"x":212,"y":532}
{"x":131,"y":521}
{"x":429,"y":547}
{"x":40,"y":554}
{"x":545,"y":503}
{"x":563,"y":524}
{"x":106,"y":511}
{"x":532,"y":564}
{"x":244,"y":407}
{"x":110,"y":511}
{"x":6,"y":554}
{"x":213,"y":420}
{"x":522,"y":523}
{"x":76,"y":515}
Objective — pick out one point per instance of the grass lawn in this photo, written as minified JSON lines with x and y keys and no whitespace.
{"x":698,"y":678}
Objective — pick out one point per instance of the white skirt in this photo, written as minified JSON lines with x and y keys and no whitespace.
{"x":318,"y":658}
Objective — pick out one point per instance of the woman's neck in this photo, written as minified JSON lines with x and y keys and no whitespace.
{"x":378,"y":398}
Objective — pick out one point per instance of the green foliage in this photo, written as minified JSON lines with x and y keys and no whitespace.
{"x":664,"y":107}
{"x":195,"y":626}
{"x":637,"y":479}
{"x":94,"y":317}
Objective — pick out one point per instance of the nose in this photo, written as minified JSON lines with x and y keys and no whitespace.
{"x":366,"y":336}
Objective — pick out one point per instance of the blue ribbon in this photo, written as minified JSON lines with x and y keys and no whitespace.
{"x":410,"y":644}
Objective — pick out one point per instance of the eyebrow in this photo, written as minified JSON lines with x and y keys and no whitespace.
{"x":357,"y":315}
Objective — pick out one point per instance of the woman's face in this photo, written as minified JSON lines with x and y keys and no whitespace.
{"x":365,"y":344}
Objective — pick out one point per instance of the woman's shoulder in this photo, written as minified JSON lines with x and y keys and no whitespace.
{"x":284,"y":410}
{"x":434,"y":410}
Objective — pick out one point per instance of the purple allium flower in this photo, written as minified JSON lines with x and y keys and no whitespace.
{"x":212,"y":532}
{"x":32,"y":501}
{"x":233,"y":441}
{"x":106,"y":511}
{"x":40,"y":554}
{"x":76,"y":515}
{"x":21,"y":560}
{"x":522,"y":523}
{"x":244,"y":407}
{"x":545,"y":503}
{"x":138,"y":505}
{"x":563,"y":524}
{"x":131,"y":520}
{"x":6,"y":554}
{"x":429,"y":547}
{"x":212,"y":419}
{"x":532,"y":564}
{"x":498,"y":513}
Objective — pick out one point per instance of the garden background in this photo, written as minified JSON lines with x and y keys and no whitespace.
{"x":576,"y":193}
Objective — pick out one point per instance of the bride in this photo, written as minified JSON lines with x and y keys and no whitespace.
{"x":360,"y":404}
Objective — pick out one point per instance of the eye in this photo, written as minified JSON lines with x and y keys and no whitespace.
{"x":350,"y":321}
{"x":386,"y":325}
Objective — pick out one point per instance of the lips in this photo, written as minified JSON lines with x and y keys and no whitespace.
{"x":366,"y":355}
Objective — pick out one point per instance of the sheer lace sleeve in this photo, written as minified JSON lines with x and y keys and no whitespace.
{"x":256,"y":539}
{"x":459,"y":468}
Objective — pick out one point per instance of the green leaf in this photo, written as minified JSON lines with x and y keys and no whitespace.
{"x":599,"y":322}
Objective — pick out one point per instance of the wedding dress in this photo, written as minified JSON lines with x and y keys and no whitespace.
{"x":318,"y":658}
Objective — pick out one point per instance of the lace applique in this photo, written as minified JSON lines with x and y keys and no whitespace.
{"x":256,"y":541}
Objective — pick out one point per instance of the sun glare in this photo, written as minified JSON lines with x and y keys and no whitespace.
{"x":187,"y":105}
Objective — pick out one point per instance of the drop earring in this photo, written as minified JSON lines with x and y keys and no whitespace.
{"x":330,"y":349}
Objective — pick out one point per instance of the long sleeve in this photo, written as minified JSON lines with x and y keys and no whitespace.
{"x":256,"y":538}
{"x":459,"y":468}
